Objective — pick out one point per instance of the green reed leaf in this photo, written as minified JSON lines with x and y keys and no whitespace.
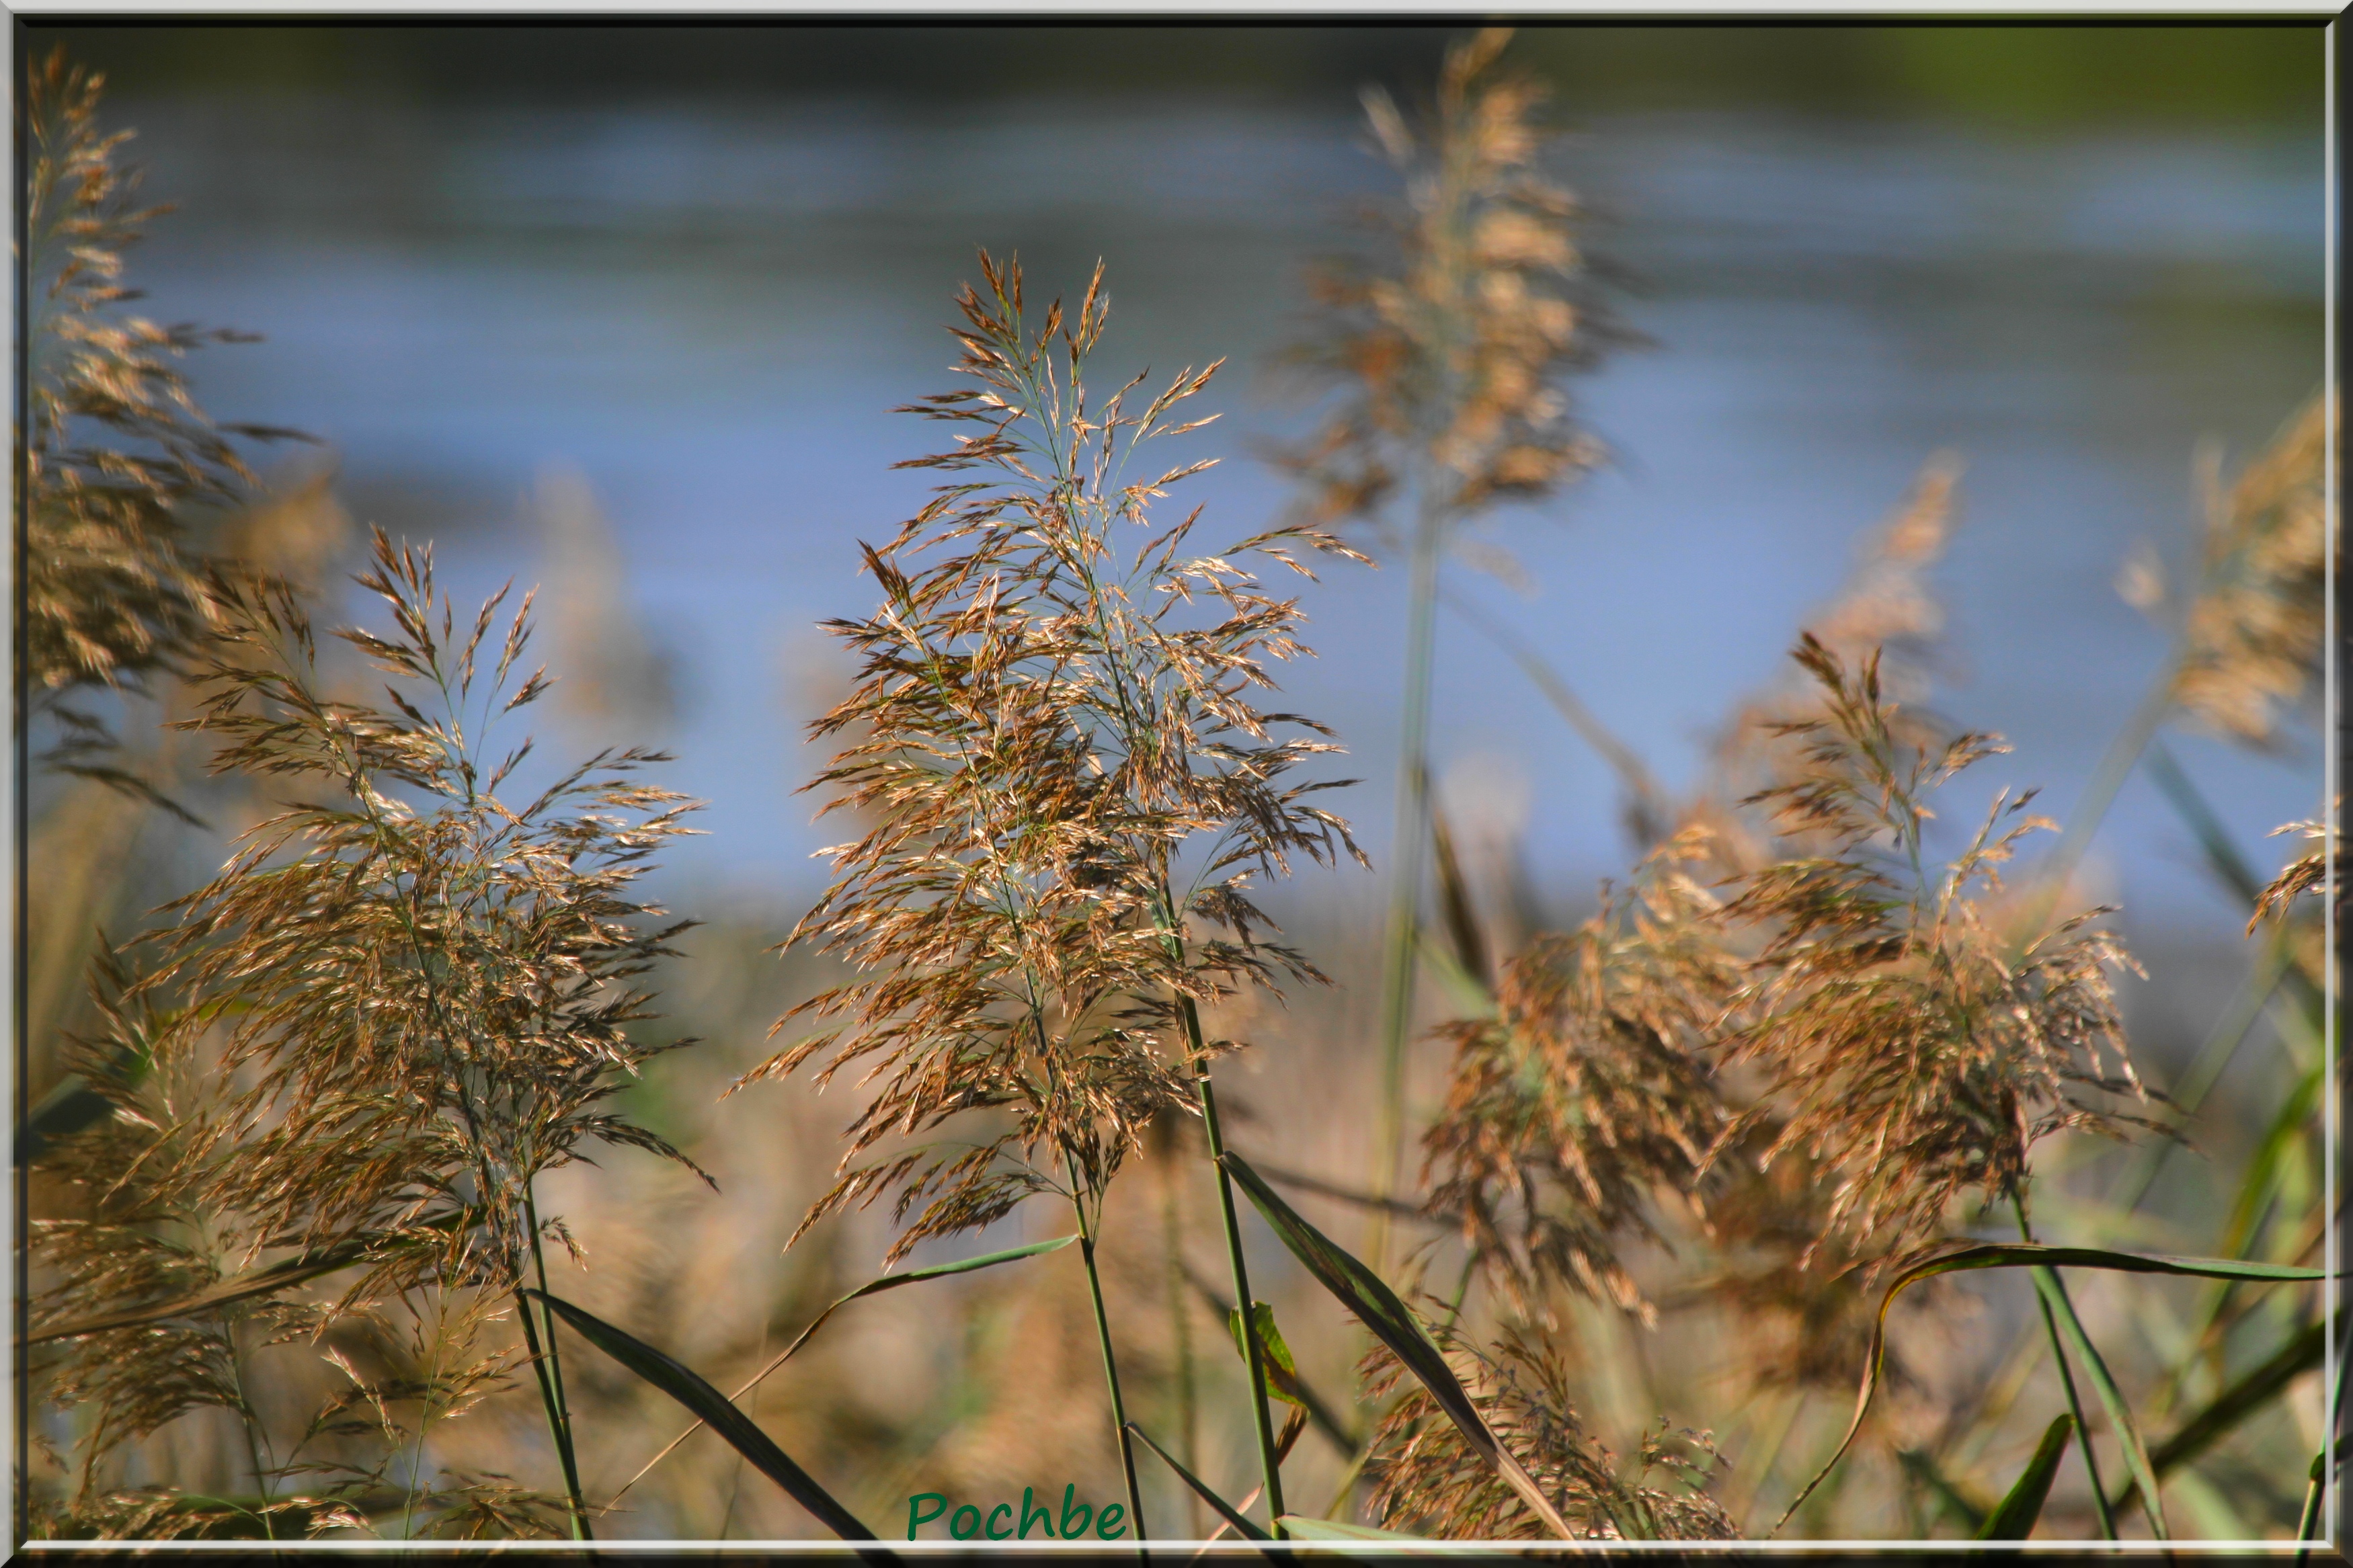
{"x":2259,"y":1387}
{"x":680,"y":1382}
{"x":2013,"y":1518}
{"x":2026,"y":1255}
{"x":1377,"y":1307}
{"x":872,"y":1286}
{"x":1225,"y":1511}
{"x":2112,"y":1400}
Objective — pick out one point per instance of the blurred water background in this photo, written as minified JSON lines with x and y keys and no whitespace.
{"x":705,"y":302}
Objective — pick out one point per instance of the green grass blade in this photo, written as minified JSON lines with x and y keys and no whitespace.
{"x":1308,"y":1528}
{"x":680,"y":1382}
{"x":2251,"y":1393}
{"x":2112,"y":1400}
{"x":1377,"y":1307}
{"x":872,"y":1286}
{"x":1225,"y":1510}
{"x":1319,"y":1410}
{"x":2025,"y":1255}
{"x":2013,"y":1518}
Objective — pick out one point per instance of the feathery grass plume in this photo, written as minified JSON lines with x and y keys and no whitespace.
{"x":1589,"y":1092}
{"x":1426,"y":1481}
{"x":1885,"y":610}
{"x":116,"y":450}
{"x":2307,"y":873}
{"x":128,"y":1227}
{"x":1072,"y":790}
{"x":1070,"y":787}
{"x":1451,"y":360}
{"x":421,"y":992}
{"x":1903,"y":1046}
{"x":1451,"y":357}
{"x":2252,"y":643}
{"x":432,"y":986}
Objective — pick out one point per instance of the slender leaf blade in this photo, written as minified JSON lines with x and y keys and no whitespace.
{"x":2112,"y":1399}
{"x":1377,"y":1307}
{"x":1225,"y":1511}
{"x":872,"y":1286}
{"x":2013,"y":1518}
{"x":1282,"y":1371}
{"x":2025,"y":1255}
{"x":2259,"y":1387}
{"x":681,"y":1383}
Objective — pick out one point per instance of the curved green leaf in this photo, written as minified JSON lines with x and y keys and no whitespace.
{"x":2026,"y":1255}
{"x":872,"y":1286}
{"x":1377,"y":1307}
{"x":1225,"y":1511}
{"x":680,"y":1382}
{"x":2013,"y":1518}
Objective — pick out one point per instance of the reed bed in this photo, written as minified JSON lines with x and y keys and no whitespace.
{"x":1810,"y":1179}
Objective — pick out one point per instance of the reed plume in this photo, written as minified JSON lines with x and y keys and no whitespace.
{"x":1905,"y":1046}
{"x":416,"y":996}
{"x":1054,"y":735}
{"x":1449,"y":360}
{"x":2253,"y":647}
{"x":118,"y":456}
{"x":1427,"y":1479}
{"x":1589,"y":1095}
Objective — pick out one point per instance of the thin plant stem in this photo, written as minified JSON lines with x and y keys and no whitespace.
{"x":2067,"y":1381}
{"x":550,"y":1403}
{"x":251,"y":1422}
{"x":1268,"y":1463}
{"x":424,"y":1415}
{"x":1398,"y":947}
{"x":2117,"y":766}
{"x":1111,"y":1363}
{"x":1213,"y":1131}
{"x":1180,"y":1327}
{"x":559,"y":1408}
{"x":735,"y":1480}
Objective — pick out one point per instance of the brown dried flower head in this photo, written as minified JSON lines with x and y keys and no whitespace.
{"x":1905,"y":1046}
{"x":1426,"y":1481}
{"x":2253,"y":638}
{"x":1451,"y":359}
{"x":1055,"y":739}
{"x":117,"y":451}
{"x":1589,"y":1094}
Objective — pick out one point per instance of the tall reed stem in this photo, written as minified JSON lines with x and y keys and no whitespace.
{"x":1180,"y":1330}
{"x":1268,"y":1463}
{"x":2067,"y":1381}
{"x":559,"y":1410}
{"x":1110,"y":1362}
{"x":1398,"y":960}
